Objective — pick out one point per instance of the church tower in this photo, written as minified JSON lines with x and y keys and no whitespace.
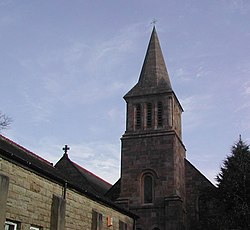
{"x":152,"y":154}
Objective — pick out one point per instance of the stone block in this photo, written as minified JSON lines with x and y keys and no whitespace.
{"x":58,"y":213}
{"x":4,"y":187}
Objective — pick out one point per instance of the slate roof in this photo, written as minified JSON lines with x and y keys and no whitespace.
{"x":81,"y":176}
{"x":114,"y":192}
{"x":198,"y":175}
{"x":154,"y":76}
{"x":15,"y":153}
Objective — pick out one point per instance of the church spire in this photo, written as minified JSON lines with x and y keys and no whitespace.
{"x":154,"y":76}
{"x":154,"y":71}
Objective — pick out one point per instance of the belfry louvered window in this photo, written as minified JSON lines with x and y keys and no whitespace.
{"x":149,"y":115}
{"x":159,"y":114}
{"x":138,"y":116}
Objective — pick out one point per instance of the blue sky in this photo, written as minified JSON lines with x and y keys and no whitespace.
{"x":66,"y":64}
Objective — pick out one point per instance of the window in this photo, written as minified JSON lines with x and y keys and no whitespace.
{"x":122,"y":225}
{"x":35,"y":228}
{"x":159,"y":114}
{"x":138,"y":117}
{"x":148,"y":189}
{"x":9,"y":225}
{"x":149,"y":115}
{"x":96,"y":221}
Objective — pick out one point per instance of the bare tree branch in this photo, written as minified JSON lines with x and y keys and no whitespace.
{"x":5,"y":121}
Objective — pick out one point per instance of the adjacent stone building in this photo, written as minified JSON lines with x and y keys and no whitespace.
{"x":158,"y":184}
{"x":35,"y":195}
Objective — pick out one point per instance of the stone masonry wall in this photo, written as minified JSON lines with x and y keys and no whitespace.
{"x":30,"y":198}
{"x":196,"y":183}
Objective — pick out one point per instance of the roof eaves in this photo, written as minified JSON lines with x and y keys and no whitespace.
{"x":24,"y":149}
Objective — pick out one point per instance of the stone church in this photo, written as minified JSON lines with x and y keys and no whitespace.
{"x":157,"y":182}
{"x":159,"y":189}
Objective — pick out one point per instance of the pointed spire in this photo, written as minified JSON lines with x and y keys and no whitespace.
{"x":154,"y":71}
{"x":154,"y":76}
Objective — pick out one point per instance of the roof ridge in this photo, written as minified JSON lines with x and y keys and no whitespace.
{"x":79,"y":166}
{"x":197,"y":170}
{"x":25,"y":150}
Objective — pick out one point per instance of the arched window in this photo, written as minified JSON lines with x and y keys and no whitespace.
{"x":138,"y":116}
{"x":148,"y":189}
{"x":159,"y":114}
{"x":149,"y":115}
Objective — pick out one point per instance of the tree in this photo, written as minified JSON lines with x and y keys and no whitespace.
{"x":234,"y":188}
{"x":5,"y":121}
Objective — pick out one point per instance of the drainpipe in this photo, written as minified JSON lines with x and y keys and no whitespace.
{"x":64,"y":190}
{"x":134,"y":224}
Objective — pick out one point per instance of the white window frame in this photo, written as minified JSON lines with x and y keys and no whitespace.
{"x":34,"y":228}
{"x":10,"y":223}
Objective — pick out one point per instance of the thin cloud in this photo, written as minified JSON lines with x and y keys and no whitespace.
{"x":182,"y":74}
{"x":202,"y":72}
{"x":7,"y":18}
{"x":243,"y":6}
{"x":101,"y":158}
{"x":75,"y":67}
{"x":115,"y":114}
{"x":110,"y":52}
{"x":196,"y":108}
{"x":246,"y":88}
{"x":37,"y":111}
{"x":104,"y":159}
{"x":5,"y":2}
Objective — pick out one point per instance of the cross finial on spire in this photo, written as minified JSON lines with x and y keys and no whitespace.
{"x":65,"y":149}
{"x":154,"y":21}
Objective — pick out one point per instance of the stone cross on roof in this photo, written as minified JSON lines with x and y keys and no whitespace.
{"x":65,"y":149}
